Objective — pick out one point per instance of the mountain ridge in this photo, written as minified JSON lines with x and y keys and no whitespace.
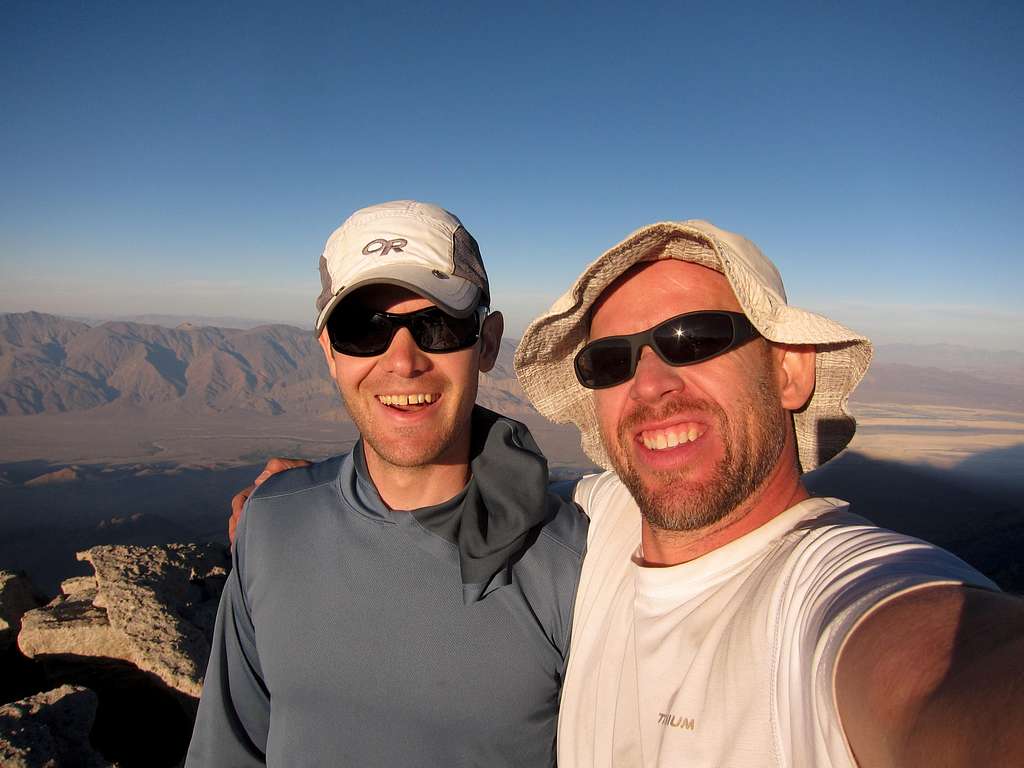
{"x":49,"y":364}
{"x":52,"y":364}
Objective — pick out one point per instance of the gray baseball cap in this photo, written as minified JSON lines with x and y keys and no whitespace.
{"x":413,"y":245}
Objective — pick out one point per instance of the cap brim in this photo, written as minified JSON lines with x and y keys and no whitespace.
{"x":456,"y":296}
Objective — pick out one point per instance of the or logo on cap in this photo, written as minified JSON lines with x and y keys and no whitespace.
{"x":384,"y":247}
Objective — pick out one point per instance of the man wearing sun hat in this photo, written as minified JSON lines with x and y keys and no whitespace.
{"x":407,"y":603}
{"x":724,"y":617}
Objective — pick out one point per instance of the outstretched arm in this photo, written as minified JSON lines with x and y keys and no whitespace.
{"x":936,"y":677}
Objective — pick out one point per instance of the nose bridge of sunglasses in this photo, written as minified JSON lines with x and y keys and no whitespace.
{"x":402,"y":339}
{"x":403,"y":356}
{"x":648,"y":352}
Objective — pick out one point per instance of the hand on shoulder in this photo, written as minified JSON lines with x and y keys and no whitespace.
{"x":272,"y":467}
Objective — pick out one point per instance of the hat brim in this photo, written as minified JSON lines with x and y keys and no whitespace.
{"x":456,"y":296}
{"x":544,"y":359}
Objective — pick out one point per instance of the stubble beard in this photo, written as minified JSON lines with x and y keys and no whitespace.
{"x":402,"y":452}
{"x":408,"y":448}
{"x":668,"y":500}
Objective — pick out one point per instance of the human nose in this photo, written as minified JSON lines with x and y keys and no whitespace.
{"x":654,"y":378}
{"x":403,"y":357}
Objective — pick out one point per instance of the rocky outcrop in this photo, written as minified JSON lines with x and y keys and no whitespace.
{"x":153,"y":607}
{"x":16,"y":597}
{"x":49,"y":730}
{"x":71,"y":626}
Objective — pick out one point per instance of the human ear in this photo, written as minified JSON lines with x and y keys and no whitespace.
{"x":794,"y":371}
{"x":325,"y":344}
{"x":490,"y":340}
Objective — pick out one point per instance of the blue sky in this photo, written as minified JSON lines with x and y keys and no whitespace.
{"x":191,"y":158}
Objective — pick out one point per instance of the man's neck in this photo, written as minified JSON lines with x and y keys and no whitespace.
{"x":405,"y":488}
{"x":780,"y":491}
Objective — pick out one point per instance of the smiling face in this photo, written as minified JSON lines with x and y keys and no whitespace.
{"x":411,"y":407}
{"x":692,"y":443}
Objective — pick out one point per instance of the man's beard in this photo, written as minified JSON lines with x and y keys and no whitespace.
{"x":671,"y":502}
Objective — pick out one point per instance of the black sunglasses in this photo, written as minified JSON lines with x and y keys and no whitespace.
{"x":685,"y":339}
{"x":362,"y":332}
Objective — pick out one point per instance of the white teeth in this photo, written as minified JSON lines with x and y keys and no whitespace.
{"x":663,"y":439}
{"x":407,"y":399}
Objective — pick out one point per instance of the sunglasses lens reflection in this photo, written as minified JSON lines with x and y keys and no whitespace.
{"x":690,"y":339}
{"x":355,"y":332}
{"x":442,"y":333}
{"x":605,"y":363}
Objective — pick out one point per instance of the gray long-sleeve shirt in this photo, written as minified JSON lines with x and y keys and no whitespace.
{"x":345,"y":635}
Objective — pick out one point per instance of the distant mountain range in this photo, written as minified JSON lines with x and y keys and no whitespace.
{"x":173,"y":321}
{"x":50,"y":364}
{"x":1001,"y":365}
{"x":928,"y":385}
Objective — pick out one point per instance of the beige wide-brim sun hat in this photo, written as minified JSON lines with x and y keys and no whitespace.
{"x":544,"y":360}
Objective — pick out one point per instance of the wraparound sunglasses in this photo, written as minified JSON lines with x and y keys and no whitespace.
{"x":362,"y":332}
{"x":685,"y":339}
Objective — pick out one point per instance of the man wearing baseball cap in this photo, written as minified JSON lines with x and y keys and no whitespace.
{"x":408,"y":603}
{"x":724,"y":617}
